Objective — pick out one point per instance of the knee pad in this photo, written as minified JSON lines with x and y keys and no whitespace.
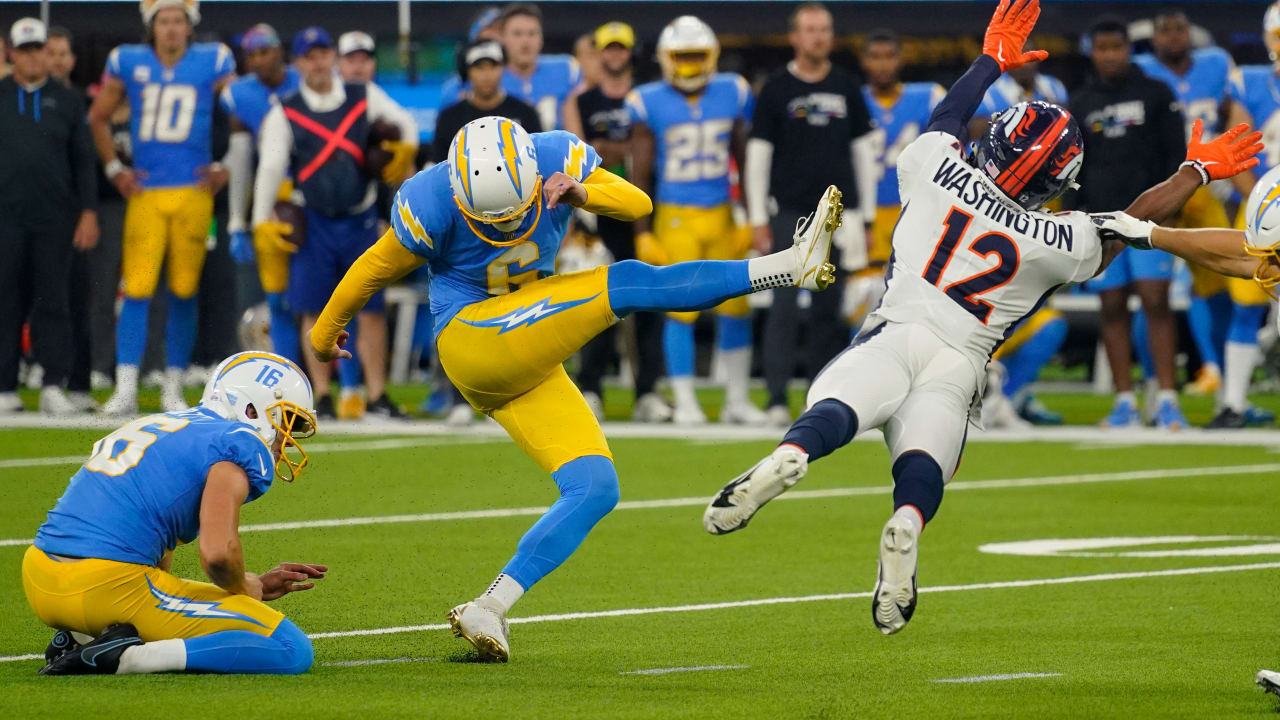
{"x":594,"y":479}
{"x":297,"y":645}
{"x":917,"y":481}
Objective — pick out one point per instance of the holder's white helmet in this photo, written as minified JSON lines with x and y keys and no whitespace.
{"x":272,"y":395}
{"x":149,"y":8}
{"x":1262,"y":230}
{"x":688,"y":52}
{"x":493,"y":172}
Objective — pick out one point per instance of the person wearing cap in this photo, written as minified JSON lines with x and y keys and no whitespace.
{"x":484,"y":26}
{"x":356,"y":61}
{"x":171,"y":85}
{"x":599,"y":115}
{"x":48,"y":204}
{"x":317,"y":136}
{"x":481,"y":63}
{"x":543,"y":81}
{"x":246,"y":100}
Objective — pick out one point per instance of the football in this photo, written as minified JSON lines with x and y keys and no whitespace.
{"x":375,"y":158}
{"x":295,"y":216}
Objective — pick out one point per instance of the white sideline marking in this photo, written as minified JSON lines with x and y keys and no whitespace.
{"x":991,"y":678}
{"x":695,"y":668}
{"x":340,"y":446}
{"x":1158,"y":474}
{"x":379,"y":661}
{"x":626,"y":612}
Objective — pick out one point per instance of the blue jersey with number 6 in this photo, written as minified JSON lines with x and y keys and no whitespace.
{"x":170,"y":109}
{"x":465,"y":269}
{"x":139,"y":494}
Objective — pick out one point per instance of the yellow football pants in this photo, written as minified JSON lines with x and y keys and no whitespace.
{"x":882,"y":235}
{"x":506,"y":358}
{"x":88,"y":595}
{"x":167,"y":223}
{"x":696,"y":233}
{"x":1025,"y":331}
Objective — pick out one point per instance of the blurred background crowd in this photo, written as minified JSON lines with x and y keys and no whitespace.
{"x":179,"y":180}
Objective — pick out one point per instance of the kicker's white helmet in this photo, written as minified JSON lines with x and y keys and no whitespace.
{"x":1262,"y":230}
{"x":1271,"y":31}
{"x":149,"y":9}
{"x":269,"y":393}
{"x":688,"y":52}
{"x":493,"y":172}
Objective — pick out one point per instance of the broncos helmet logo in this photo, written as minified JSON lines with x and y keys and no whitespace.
{"x":1063,"y":161}
{"x":1022,"y":130}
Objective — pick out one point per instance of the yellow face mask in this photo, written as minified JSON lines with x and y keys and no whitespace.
{"x":1267,"y":273}
{"x":293,"y":424}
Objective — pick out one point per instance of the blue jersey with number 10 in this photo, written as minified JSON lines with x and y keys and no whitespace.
{"x":464,"y":269}
{"x":139,"y":494}
{"x":170,"y":109}
{"x":692,"y":136}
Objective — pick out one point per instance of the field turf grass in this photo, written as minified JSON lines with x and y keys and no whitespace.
{"x":1128,"y":645}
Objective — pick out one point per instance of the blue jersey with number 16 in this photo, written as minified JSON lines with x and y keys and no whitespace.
{"x":170,"y":109}
{"x":139,"y":494}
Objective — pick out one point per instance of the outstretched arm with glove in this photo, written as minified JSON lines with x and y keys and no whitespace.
{"x":1232,"y":152}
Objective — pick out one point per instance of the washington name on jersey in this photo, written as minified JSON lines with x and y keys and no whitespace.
{"x":968,"y":263}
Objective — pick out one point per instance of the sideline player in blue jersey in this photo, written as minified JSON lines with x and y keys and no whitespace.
{"x":487,"y":222}
{"x":1017,"y":85}
{"x":170,"y":85}
{"x":99,"y":569}
{"x":543,"y":81}
{"x":900,"y":111}
{"x":686,"y":127}
{"x":247,"y":101}
{"x":1200,"y":80}
{"x":1255,"y":99}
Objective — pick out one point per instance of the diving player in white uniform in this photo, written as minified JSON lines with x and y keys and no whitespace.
{"x":972,"y":256}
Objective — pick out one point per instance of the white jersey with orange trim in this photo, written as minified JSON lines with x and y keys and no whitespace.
{"x":968,"y":263}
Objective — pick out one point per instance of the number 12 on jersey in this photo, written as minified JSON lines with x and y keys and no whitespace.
{"x":965,"y":292}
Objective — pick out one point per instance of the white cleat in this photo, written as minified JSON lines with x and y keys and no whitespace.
{"x":10,"y":402}
{"x":731,"y":509}
{"x":122,"y":402}
{"x":53,"y":401}
{"x":743,"y":414}
{"x":778,"y":416}
{"x":651,"y":408}
{"x":460,"y":415}
{"x":596,"y":404}
{"x":82,"y":401}
{"x":1268,"y":680}
{"x":894,"y":600}
{"x":812,"y":246}
{"x":171,"y":399}
{"x":688,"y":415}
{"x":484,"y":628}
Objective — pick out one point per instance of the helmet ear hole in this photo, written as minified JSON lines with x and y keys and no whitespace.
{"x":251,"y":412}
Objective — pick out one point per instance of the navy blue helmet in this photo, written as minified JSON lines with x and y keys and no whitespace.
{"x":1032,"y":151}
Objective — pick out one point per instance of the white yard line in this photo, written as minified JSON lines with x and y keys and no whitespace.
{"x":1155,"y":474}
{"x":695,"y":668}
{"x":628,"y":612}
{"x":996,"y":678}
{"x":489,"y":429}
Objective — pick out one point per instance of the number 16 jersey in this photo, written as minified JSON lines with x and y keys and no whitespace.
{"x":968,"y":263}
{"x":170,"y":109}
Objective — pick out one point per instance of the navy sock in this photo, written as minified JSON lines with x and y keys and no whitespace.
{"x":824,"y":428}
{"x":917,"y":481}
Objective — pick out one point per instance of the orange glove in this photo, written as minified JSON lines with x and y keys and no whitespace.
{"x":1229,"y":154}
{"x":1008,"y":31}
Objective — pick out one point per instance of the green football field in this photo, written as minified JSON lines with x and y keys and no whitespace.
{"x":654,"y":618}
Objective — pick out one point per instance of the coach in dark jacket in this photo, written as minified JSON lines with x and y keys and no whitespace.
{"x":47,"y":180}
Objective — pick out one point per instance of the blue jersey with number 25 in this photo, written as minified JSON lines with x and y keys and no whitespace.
{"x":170,"y":109}
{"x":139,"y":494}
{"x":465,"y":269}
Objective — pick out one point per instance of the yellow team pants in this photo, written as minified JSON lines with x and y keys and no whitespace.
{"x":166,"y":223}
{"x":88,"y":595}
{"x":696,"y":233}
